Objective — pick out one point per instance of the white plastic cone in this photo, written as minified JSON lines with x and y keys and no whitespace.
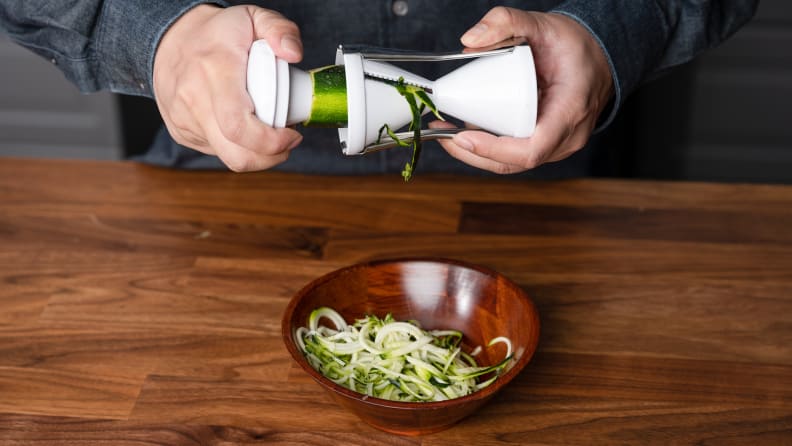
{"x":495,"y":93}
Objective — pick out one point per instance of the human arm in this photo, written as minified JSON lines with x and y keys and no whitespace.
{"x":198,"y":52}
{"x":583,"y":50}
{"x":98,"y":45}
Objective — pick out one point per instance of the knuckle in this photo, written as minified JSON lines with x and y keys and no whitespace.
{"x":185,"y":98}
{"x":276,"y":143}
{"x":270,"y":148}
{"x":237,"y":163}
{"x":232,"y":126}
{"x":531,"y":160}
{"x":264,"y":13}
{"x":280,"y":22}
{"x":193,"y":140}
{"x":578,"y":141}
{"x":273,"y":22}
{"x":183,"y":132}
{"x":179,"y":138}
{"x":180,"y":123}
{"x":479,"y":150}
{"x":503,"y":169}
{"x":178,"y":133}
{"x":287,"y":26}
{"x":501,"y":14}
{"x":236,"y":159}
{"x":182,"y":139}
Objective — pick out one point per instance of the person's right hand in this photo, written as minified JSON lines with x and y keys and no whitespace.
{"x":200,"y":84}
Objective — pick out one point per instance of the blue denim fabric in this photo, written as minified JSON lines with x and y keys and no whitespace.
{"x":99,"y":45}
{"x":641,"y":39}
{"x":111,"y":45}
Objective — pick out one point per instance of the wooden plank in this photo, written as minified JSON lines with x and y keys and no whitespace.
{"x":600,"y":399}
{"x":120,"y":186}
{"x":32,"y":390}
{"x":22,"y":430}
{"x":577,"y":258}
{"x":92,"y":232}
{"x":117,"y":350}
{"x":139,"y":305}
{"x":626,"y":223}
{"x":126,"y":192}
{"x":286,"y":406}
{"x":20,"y":304}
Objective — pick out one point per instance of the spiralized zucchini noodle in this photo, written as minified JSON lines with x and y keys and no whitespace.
{"x":395,"y":360}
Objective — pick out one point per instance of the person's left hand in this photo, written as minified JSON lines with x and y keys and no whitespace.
{"x":575,"y":85}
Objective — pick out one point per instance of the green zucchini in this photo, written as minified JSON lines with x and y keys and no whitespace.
{"x":329,"y":104}
{"x":393,"y":360}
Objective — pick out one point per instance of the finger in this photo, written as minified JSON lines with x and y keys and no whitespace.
{"x":562,"y":128}
{"x":469,"y":157}
{"x":244,"y":129}
{"x":448,"y":125}
{"x":549,"y":143}
{"x":441,"y":125}
{"x":237,"y":137}
{"x":474,"y":160}
{"x":521,"y":152}
{"x":233,"y":112}
{"x":499,"y":24}
{"x":241,"y":159}
{"x":282,"y":34}
{"x":527,"y":153}
{"x":565,"y":122}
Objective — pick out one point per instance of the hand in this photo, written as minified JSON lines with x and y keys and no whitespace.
{"x":200,"y":84}
{"x":575,"y":85}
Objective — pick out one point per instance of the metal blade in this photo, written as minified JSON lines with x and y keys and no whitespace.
{"x":391,"y":73}
{"x":393,"y":80}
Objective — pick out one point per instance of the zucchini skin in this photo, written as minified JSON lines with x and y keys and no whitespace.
{"x":329,"y":105}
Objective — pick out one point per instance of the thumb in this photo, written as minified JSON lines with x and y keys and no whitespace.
{"x":281,"y":34}
{"x":500,"y":24}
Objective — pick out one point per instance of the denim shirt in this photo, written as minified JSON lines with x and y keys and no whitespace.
{"x":111,"y":44}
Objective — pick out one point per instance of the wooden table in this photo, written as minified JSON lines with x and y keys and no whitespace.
{"x":142,"y":306}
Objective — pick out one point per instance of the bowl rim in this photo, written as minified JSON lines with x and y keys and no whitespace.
{"x":483,"y":394}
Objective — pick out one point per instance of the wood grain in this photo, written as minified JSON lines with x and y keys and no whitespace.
{"x":25,"y":430}
{"x":438,"y":294}
{"x":142,"y":306}
{"x":625,"y":223}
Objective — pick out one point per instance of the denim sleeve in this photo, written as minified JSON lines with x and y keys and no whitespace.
{"x":642,"y":38}
{"x":98,"y":44}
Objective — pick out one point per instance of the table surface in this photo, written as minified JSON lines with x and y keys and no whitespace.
{"x":142,"y":306}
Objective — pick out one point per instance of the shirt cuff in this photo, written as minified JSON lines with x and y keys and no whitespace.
{"x":128,"y":37}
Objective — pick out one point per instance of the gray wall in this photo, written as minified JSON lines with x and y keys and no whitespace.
{"x":43,"y":115}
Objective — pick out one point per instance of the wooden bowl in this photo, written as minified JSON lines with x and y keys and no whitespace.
{"x":439,"y":294}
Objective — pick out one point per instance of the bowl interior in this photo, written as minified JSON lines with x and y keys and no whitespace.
{"x":439,"y":294}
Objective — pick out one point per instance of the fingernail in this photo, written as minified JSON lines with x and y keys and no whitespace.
{"x":473,"y":33}
{"x":463,"y":142}
{"x":290,"y":45}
